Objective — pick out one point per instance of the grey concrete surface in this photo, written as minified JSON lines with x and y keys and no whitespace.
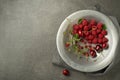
{"x":27,"y":38}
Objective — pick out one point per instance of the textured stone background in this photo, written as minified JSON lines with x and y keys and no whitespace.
{"x":27,"y":38}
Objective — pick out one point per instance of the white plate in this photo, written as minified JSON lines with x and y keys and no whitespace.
{"x":82,"y":64}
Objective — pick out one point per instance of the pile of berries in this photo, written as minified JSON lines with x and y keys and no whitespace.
{"x":92,"y":34}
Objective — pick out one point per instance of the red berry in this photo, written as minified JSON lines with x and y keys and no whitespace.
{"x":86,"y":28}
{"x":80,"y":26}
{"x":84,"y":22}
{"x":105,"y":40}
{"x":67,"y":44}
{"x":91,"y":37}
{"x":100,"y":41}
{"x":94,"y":27}
{"x":89,"y":41}
{"x":86,"y":33}
{"x":99,"y":25}
{"x":104,"y":32}
{"x":81,"y":47}
{"x":98,"y":31}
{"x":90,"y":26}
{"x":98,"y":48}
{"x":66,"y":72}
{"x":93,"y":53}
{"x":80,"y":33}
{"x":94,"y":32}
{"x":93,"y":22}
{"x":95,"y":40}
{"x":75,"y":27}
{"x":104,"y":45}
{"x":100,"y":35}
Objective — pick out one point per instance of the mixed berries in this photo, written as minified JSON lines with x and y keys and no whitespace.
{"x":88,"y":37}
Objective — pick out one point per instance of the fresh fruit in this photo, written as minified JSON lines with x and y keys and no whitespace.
{"x":75,"y":27}
{"x":94,"y":32}
{"x":84,"y":22}
{"x":66,"y":72}
{"x":87,"y":37}
{"x":93,"y":53}
{"x":98,"y":48}
{"x":86,"y":28}
{"x":95,"y":40}
{"x":80,"y":26}
{"x":80,"y":33}
{"x":91,"y":37}
{"x":67,"y":44}
{"x":100,"y":41}
{"x":101,"y":36}
{"x":104,"y":32}
{"x":93,"y":22}
{"x":104,"y":40}
{"x":99,"y":25}
{"x":105,"y":45}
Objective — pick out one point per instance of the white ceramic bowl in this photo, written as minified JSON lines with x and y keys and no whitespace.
{"x":101,"y":60}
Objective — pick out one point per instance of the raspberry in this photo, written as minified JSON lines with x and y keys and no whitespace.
{"x":100,"y":35}
{"x":94,"y":32}
{"x":100,"y":41}
{"x":80,"y":26}
{"x":86,"y":28}
{"x":98,"y":31}
{"x":86,"y":33}
{"x":95,"y":40}
{"x":80,"y":33}
{"x":94,"y":27}
{"x":75,"y":27}
{"x":104,"y":32}
{"x":89,"y":41}
{"x":85,"y":22}
{"x":91,"y":37}
{"x":105,"y":40}
{"x":99,"y":25}
{"x":93,"y":22}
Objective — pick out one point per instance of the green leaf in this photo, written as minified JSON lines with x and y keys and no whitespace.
{"x":79,"y":21}
{"x":104,"y":27}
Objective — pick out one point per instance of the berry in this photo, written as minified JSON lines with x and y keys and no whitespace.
{"x":95,"y":40}
{"x":105,"y":40}
{"x":94,"y":27}
{"x":104,"y":32}
{"x":86,"y":33}
{"x":86,"y":28}
{"x":104,"y":45}
{"x":98,"y":31}
{"x":80,"y":33}
{"x":93,"y":53}
{"x":91,"y":37}
{"x":100,"y":35}
{"x":84,"y":22}
{"x":94,"y":32}
{"x":93,"y":22}
{"x":90,"y":26}
{"x":65,"y":72}
{"x":98,"y":48}
{"x":99,"y":25}
{"x":89,"y":41}
{"x":75,"y":27}
{"x":67,"y":44}
{"x":80,"y":26}
{"x":100,"y":41}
